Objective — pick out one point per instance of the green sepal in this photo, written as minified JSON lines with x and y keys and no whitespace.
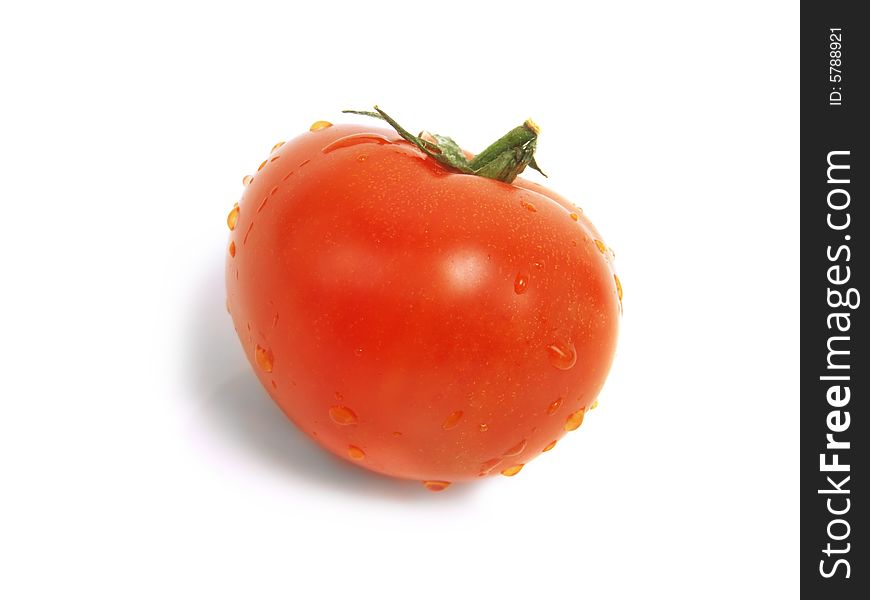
{"x":503,"y":160}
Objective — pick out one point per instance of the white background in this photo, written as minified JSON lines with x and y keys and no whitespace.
{"x":140,"y":459}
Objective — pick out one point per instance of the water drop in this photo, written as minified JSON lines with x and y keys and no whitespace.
{"x":264,"y":358}
{"x":232,"y":248}
{"x":516,"y":449}
{"x":318,"y":125}
{"x":521,"y":282}
{"x":618,"y":287}
{"x":342,"y":415}
{"x":274,"y":384}
{"x":452,"y":420}
{"x":358,"y":352}
{"x":483,"y":427}
{"x":539,"y":264}
{"x":355,"y":452}
{"x":247,"y":179}
{"x":554,"y":406}
{"x":549,"y":446}
{"x":562,"y":354}
{"x":594,"y":404}
{"x":262,"y":164}
{"x":528,"y":206}
{"x":574,"y":217}
{"x":574,"y":420}
{"x":233,"y":217}
{"x":511,"y":471}
{"x":276,"y":146}
{"x":397,"y":434}
{"x":355,"y":139}
{"x":247,"y":233}
{"x":489,"y":465}
{"x":262,"y":204}
{"x":601,"y":247}
{"x":436,"y":486}
{"x":362,"y":157}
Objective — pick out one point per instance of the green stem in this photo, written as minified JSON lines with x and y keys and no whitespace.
{"x":504,"y":159}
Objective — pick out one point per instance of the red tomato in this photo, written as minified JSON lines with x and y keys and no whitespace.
{"x":418,"y":322}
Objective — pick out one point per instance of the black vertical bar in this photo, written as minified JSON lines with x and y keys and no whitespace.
{"x":835,"y":365}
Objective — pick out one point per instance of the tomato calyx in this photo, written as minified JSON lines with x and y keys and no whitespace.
{"x":503,"y":160}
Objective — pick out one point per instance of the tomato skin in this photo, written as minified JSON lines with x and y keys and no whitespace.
{"x":431,"y":313}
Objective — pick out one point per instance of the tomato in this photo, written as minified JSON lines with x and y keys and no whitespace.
{"x":419,"y":322}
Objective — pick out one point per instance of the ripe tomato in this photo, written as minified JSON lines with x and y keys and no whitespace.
{"x":419,"y":322}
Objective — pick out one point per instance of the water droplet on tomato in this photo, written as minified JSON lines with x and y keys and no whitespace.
{"x":516,"y":449}
{"x":483,"y":427}
{"x":618,"y":287}
{"x":342,"y":415}
{"x":358,"y":352}
{"x":601,"y":247}
{"x":511,"y":471}
{"x":554,"y":406}
{"x":262,"y":204}
{"x":521,"y":283}
{"x":274,"y":384}
{"x":574,"y":217}
{"x":232,"y":248}
{"x":562,"y":354}
{"x":549,"y":446}
{"x":262,"y":164}
{"x":247,"y":233}
{"x":528,"y":206}
{"x":594,"y":404}
{"x":574,"y":420}
{"x":539,"y":264}
{"x":436,"y":486}
{"x":318,"y":125}
{"x":247,"y":179}
{"x":355,"y":452}
{"x":397,"y":434}
{"x":488,"y":466}
{"x":355,"y":139}
{"x":452,"y":420}
{"x":264,"y":358}
{"x":362,"y":157}
{"x":276,"y":146}
{"x":233,"y":217}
